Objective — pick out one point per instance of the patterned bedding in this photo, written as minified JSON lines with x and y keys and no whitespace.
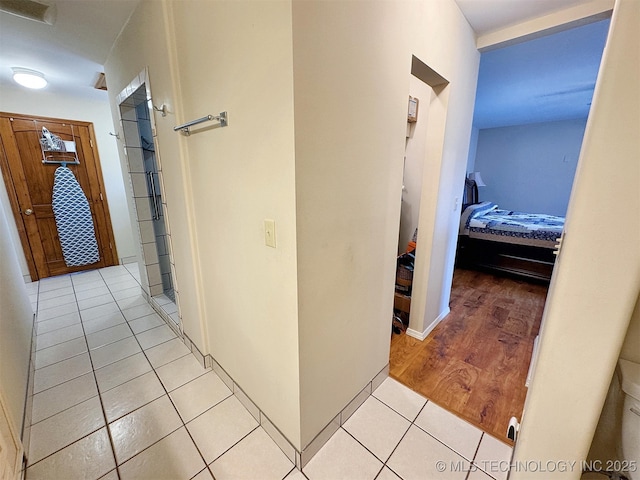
{"x":486,"y":221}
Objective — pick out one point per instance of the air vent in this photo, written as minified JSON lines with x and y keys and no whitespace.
{"x":101,"y":83}
{"x":30,"y":10}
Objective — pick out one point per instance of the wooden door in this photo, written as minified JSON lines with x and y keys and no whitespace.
{"x":11,"y":448}
{"x":30,"y":184}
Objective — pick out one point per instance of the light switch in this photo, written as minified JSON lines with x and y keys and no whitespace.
{"x":270,"y":233}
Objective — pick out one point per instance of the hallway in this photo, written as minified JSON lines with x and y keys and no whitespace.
{"x":118,"y":396}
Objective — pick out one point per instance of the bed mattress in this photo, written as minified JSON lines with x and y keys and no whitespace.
{"x":486,"y":221}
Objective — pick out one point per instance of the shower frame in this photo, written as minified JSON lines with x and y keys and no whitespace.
{"x":155,"y":251}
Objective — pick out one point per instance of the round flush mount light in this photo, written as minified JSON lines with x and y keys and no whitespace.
{"x":29,"y":78}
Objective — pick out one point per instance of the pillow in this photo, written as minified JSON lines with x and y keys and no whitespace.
{"x":473,"y":211}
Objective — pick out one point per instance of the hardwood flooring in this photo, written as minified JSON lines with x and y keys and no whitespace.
{"x":475,"y":362}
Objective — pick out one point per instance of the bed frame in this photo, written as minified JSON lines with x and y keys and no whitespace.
{"x":524,"y":261}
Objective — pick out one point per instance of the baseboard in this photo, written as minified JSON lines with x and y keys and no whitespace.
{"x":297,"y":457}
{"x":532,"y":363}
{"x":125,"y":260}
{"x":422,"y":335}
{"x":302,"y":458}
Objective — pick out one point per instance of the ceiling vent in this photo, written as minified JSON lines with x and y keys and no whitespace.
{"x":30,"y":10}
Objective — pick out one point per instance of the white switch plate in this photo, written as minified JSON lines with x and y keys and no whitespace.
{"x":270,"y":233}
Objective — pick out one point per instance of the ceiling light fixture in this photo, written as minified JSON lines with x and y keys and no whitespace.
{"x":29,"y":78}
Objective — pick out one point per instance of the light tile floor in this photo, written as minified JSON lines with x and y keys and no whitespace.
{"x":118,"y":396}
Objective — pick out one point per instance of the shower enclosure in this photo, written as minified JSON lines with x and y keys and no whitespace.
{"x":145,"y":172}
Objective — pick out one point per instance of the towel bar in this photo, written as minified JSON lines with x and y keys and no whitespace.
{"x":184,"y":128}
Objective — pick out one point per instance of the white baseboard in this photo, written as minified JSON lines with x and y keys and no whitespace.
{"x":422,"y":335}
{"x":532,"y":364}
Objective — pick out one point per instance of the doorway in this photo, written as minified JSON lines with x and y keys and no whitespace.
{"x":147,"y":192}
{"x":494,"y":320}
{"x":29,"y":170}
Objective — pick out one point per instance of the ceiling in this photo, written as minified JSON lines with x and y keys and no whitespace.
{"x":546,"y":79}
{"x":489,"y":15}
{"x":72,"y":51}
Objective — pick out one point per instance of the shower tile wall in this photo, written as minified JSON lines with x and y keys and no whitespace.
{"x":143,"y":162}
{"x":158,"y":222}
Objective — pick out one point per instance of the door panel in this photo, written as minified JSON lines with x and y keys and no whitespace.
{"x":31,"y":182}
{"x":11,"y":448}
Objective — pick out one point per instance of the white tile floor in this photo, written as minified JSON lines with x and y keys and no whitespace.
{"x":118,"y":396}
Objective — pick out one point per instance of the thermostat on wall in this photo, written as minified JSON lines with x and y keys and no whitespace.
{"x":412,"y":114}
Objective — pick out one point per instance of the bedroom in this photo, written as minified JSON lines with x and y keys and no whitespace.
{"x":532,"y":104}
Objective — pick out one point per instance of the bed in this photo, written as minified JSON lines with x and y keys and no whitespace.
{"x":506,"y":241}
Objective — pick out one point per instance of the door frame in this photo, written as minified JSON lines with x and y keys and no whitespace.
{"x":111,"y":254}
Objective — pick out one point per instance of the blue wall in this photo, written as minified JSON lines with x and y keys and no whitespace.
{"x":530,"y":168}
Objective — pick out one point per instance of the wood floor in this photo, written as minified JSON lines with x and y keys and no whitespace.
{"x":475,"y":362}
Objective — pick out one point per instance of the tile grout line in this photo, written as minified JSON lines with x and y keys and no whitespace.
{"x":183,"y":424}
{"x":385,"y":462}
{"x":175,"y":408}
{"x":474,"y":457}
{"x":236,"y":443}
{"x":104,"y":413}
{"x":167,"y":392}
{"x":88,"y":352}
{"x":72,"y":443}
{"x":77,"y":440}
{"x":30,"y":385}
{"x":396,"y":411}
{"x":405,"y":433}
{"x":69,"y":407}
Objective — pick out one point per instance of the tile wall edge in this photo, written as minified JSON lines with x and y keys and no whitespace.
{"x":299,"y":457}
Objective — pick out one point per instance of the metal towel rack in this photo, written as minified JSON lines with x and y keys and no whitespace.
{"x":184,"y":128}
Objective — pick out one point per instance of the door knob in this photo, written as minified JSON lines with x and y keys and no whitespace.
{"x":28,"y":211}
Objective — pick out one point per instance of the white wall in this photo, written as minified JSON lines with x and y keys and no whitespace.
{"x":595,"y":285}
{"x":530,"y":168}
{"x":351,"y":93}
{"x":45,"y":104}
{"x":415,"y":154}
{"x":16,"y":325}
{"x":144,"y":42}
{"x":303,"y":327}
{"x":473,"y":148}
{"x":237,"y":57}
{"x":237,"y":296}
{"x":445,"y":42}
